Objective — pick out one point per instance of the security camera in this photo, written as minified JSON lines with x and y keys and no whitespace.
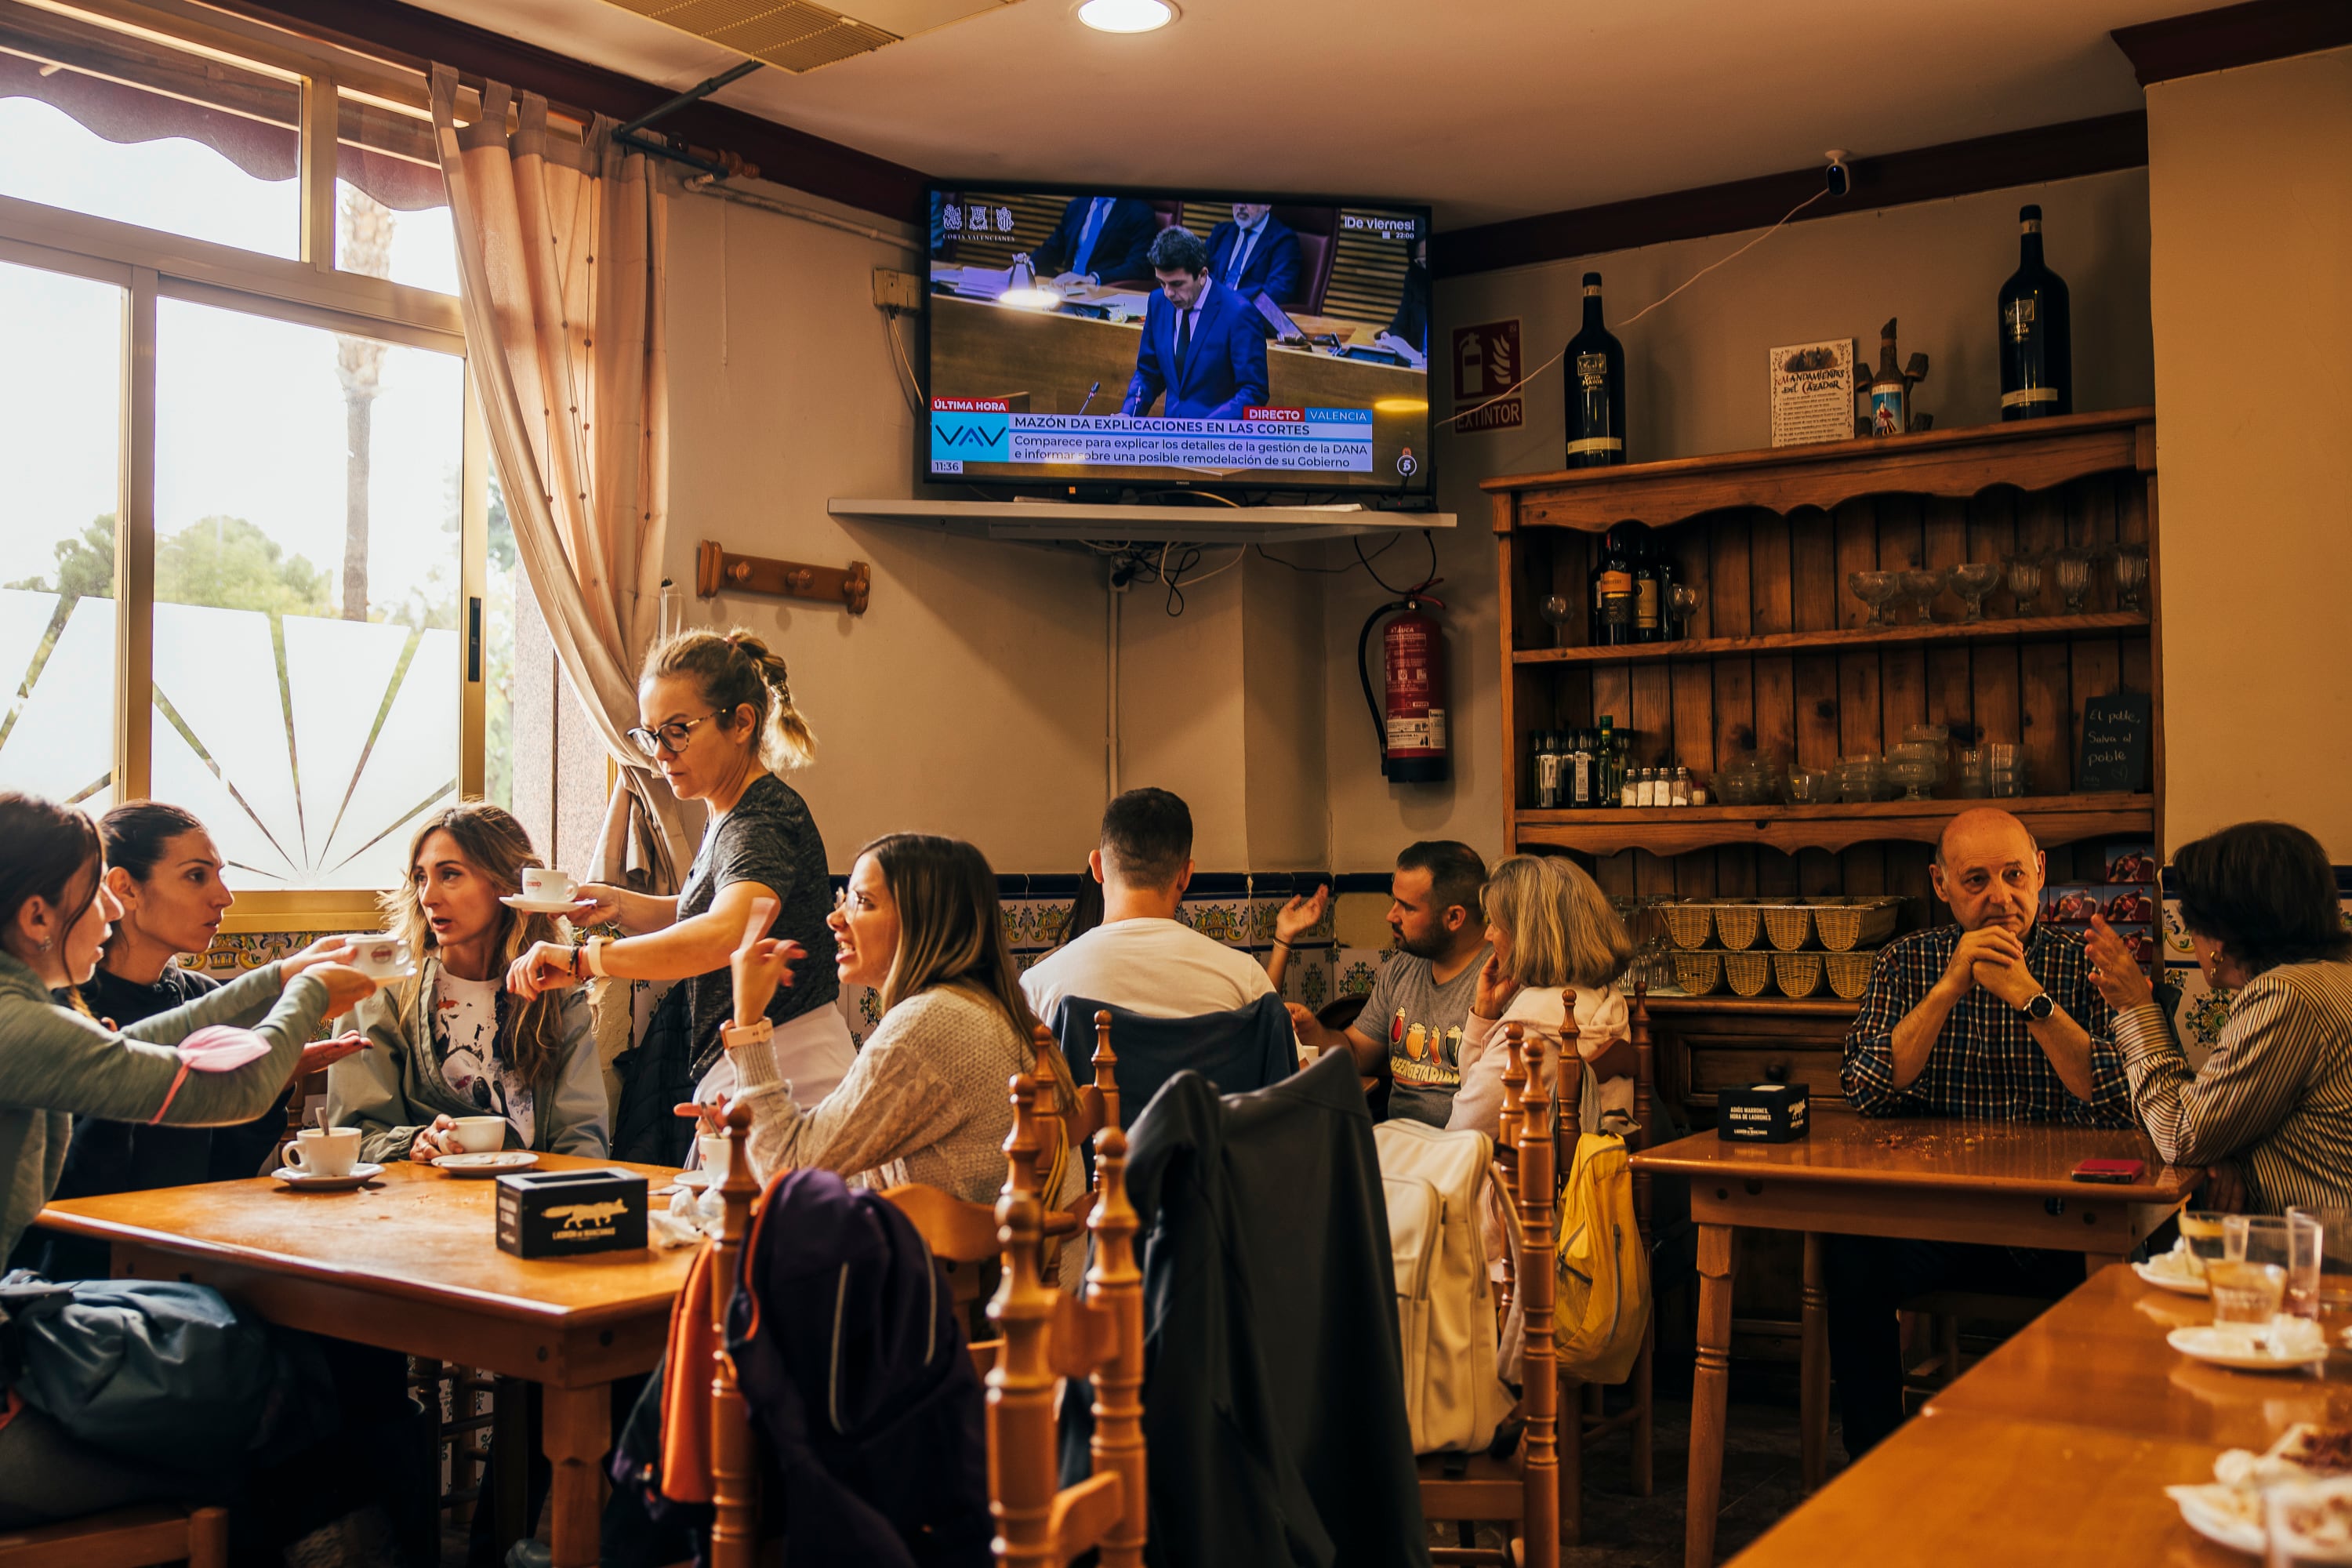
{"x":1839,"y":175}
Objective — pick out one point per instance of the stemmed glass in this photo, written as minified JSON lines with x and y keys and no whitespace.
{"x":1972,"y":580}
{"x":1681,"y":603}
{"x":1556,"y":609}
{"x":2024,"y":579}
{"x":1920,"y":587}
{"x":2131,"y":575}
{"x":2073,"y":572}
{"x":1873,"y":589}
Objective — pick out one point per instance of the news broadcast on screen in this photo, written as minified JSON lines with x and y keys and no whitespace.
{"x":1116,"y":338}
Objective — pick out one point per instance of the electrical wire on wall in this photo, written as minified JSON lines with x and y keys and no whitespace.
{"x":1512,"y":390}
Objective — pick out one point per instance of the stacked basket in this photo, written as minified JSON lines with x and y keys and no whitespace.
{"x":1807,"y":941}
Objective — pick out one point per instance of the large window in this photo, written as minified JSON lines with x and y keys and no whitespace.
{"x":246,"y":551}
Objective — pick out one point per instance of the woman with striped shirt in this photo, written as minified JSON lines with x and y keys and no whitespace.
{"x":2271,"y":1110}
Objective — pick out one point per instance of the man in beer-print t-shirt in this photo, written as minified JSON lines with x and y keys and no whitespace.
{"x":1411,"y":1024}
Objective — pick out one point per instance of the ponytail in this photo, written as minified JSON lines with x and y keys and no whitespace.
{"x":734,"y":669}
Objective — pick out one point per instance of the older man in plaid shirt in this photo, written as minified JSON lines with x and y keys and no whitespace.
{"x":1995,"y":1018}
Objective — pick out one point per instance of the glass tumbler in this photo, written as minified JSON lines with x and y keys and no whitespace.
{"x":2291,"y":1245}
{"x":2335,"y":1254}
{"x":2245,"y":1292}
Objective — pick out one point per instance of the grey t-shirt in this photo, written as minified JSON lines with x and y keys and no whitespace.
{"x":1422,"y":1021}
{"x":769,"y":838}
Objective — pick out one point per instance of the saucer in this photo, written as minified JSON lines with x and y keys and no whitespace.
{"x":2185,"y":1284}
{"x":358,"y":1176}
{"x":2244,"y":1351}
{"x":490,"y":1164}
{"x":542,"y":905}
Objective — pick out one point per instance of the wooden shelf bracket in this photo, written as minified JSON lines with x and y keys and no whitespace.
{"x":718,"y":571}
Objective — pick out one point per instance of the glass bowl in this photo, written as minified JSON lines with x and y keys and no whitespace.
{"x":1921,"y":587}
{"x":1915,"y":776}
{"x":1973,"y":580}
{"x":1810,"y":786}
{"x":1873,"y":589}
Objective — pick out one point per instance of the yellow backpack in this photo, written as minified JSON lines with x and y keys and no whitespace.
{"x":1603,"y":1306}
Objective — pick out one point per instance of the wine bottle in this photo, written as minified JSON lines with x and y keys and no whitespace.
{"x":1612,"y":588}
{"x":1596,"y":389}
{"x":1649,"y":587}
{"x":2037,"y":360}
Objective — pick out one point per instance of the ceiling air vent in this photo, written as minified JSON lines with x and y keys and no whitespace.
{"x":797,"y":36}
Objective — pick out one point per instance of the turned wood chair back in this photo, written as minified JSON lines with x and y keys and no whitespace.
{"x":734,"y":1453}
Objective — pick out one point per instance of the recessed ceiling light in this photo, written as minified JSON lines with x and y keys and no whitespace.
{"x":1126,"y":15}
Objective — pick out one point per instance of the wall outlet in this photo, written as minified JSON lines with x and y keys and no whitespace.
{"x":896,"y":290}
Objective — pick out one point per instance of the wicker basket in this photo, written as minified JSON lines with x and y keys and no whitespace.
{"x":1849,"y":972}
{"x":1749,"y":973}
{"x":1690,"y":922}
{"x":1739,"y":925}
{"x":1799,"y":973}
{"x":1849,"y":922}
{"x":1698,"y":973}
{"x":1789,"y":926}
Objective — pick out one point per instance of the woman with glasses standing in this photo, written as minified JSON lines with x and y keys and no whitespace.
{"x":719,"y":720}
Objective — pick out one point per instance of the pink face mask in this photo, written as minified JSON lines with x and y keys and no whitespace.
{"x":218,"y":1047}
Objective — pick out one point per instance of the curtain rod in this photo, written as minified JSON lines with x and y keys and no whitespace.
{"x":703,"y":185}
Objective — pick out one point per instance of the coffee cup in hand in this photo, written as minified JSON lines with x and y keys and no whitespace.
{"x":546,"y":885}
{"x":331,"y":1152}
{"x":479,"y":1134}
{"x":715,"y":1157}
{"x":379,"y":956}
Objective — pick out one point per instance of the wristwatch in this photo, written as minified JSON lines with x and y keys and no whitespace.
{"x":2038,"y":1007}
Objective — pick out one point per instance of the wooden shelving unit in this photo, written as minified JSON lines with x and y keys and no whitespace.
{"x":1780,"y":658}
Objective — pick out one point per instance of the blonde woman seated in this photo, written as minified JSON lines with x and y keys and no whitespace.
{"x":925,"y":1101}
{"x":452,"y":1041}
{"x":1559,"y":950}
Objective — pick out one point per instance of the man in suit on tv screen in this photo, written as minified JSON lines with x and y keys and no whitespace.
{"x":1256,"y":253}
{"x":1106,"y":238}
{"x":1200,"y":342}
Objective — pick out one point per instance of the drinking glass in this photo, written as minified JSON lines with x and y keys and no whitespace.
{"x":2293,"y":1246}
{"x":2024,"y":579}
{"x":2202,"y":1229}
{"x":1683,"y":602}
{"x":2245,"y":1292}
{"x":1555,"y":609}
{"x":1873,"y":589}
{"x":1914,"y":774}
{"x":2072,"y":569}
{"x":2131,"y":575}
{"x":2335,"y":1254}
{"x":1920,"y":587}
{"x":1972,"y":580}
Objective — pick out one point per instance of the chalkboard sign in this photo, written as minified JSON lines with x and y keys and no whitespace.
{"x":2115,"y":743}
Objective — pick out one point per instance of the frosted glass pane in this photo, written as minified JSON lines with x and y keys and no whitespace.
{"x":338,"y":672}
{"x":412,"y":765}
{"x":184,"y":778}
{"x":202,"y":657}
{"x":52,"y":748}
{"x":25,"y":618}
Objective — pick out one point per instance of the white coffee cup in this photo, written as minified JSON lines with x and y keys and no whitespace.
{"x":715,"y":1161}
{"x":379,"y":955}
{"x":330,"y":1153}
{"x":482,"y":1134}
{"x":546,"y":885}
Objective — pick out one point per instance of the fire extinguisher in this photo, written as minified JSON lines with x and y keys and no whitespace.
{"x":1409,"y":722}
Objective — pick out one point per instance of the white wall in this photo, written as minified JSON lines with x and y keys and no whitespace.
{"x":1695,"y":386}
{"x":2251,"y":196}
{"x":969,"y":700}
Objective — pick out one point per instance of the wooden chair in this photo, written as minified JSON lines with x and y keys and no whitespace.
{"x":122,"y":1538}
{"x":1522,"y":1492}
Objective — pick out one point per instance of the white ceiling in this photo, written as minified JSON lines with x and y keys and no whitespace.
{"x":1489,"y":108}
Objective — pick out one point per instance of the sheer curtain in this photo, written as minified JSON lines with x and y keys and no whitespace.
{"x":562,"y":264}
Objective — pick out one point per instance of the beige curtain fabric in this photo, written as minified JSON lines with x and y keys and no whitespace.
{"x":560,"y":256}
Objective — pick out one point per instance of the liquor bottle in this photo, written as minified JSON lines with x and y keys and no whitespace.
{"x":1649,"y":587}
{"x":1596,"y":389}
{"x":2037,"y":356}
{"x":1605,"y":770}
{"x":1547,"y":760}
{"x":1579,"y":778}
{"x":1612,"y":588}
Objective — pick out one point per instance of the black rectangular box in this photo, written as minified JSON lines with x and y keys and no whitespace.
{"x":1759,"y":1113}
{"x":563,"y":1214}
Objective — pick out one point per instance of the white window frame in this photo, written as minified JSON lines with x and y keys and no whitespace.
{"x":148,"y":265}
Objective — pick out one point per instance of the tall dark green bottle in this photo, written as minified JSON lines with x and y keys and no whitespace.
{"x":2037,"y":359}
{"x":1596,"y":389}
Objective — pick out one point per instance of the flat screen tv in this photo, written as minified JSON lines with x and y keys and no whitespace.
{"x":1155,"y":340}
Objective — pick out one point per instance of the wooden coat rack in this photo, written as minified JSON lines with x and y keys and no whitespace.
{"x":721,"y":571}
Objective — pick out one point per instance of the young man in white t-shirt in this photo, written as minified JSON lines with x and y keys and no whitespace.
{"x":1141,"y":958}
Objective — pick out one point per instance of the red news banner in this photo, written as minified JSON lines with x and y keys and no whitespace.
{"x":985,"y":430}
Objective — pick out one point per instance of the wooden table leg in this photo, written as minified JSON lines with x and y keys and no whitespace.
{"x":577,"y":1424}
{"x":1813,"y":1373}
{"x":1710,"y":1395}
{"x":509,"y":1502}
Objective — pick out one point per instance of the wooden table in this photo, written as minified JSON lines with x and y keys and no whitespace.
{"x":1959,"y":1491}
{"x":2098,"y":1358}
{"x":410,"y":1263}
{"x":1995,"y":1183}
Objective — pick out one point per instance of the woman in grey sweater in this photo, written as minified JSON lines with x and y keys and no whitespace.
{"x":58,"y":1063}
{"x":453,"y":1042}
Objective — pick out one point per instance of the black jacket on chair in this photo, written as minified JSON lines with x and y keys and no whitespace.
{"x":1249,"y":1047}
{"x":1274,"y":1399}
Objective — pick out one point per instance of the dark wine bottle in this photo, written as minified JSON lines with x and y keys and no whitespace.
{"x":1596,"y":389}
{"x":1649,"y":588}
{"x":2037,"y":359}
{"x":1612,"y":588}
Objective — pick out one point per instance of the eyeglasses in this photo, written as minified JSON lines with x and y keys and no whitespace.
{"x":672,"y":736}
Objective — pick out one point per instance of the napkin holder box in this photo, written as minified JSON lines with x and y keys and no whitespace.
{"x":567,"y":1213}
{"x":1762,"y":1113}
